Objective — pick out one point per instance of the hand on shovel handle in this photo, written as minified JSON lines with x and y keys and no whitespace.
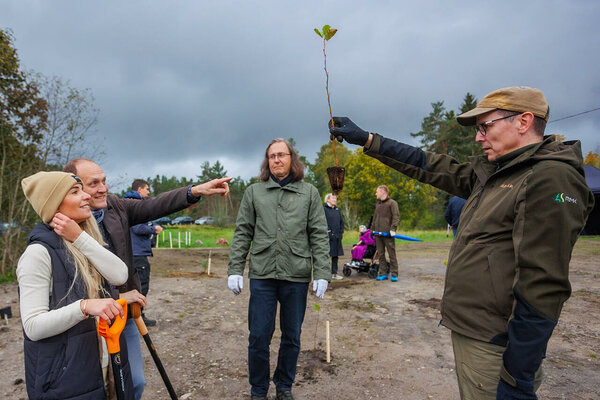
{"x":137,"y":316}
{"x":112,"y":334}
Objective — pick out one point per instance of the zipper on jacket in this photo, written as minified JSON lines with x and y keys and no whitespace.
{"x":479,"y":197}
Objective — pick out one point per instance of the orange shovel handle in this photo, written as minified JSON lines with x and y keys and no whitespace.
{"x":112,"y":333}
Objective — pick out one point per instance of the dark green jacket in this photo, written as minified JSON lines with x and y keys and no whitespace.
{"x":508,"y":268}
{"x":287,"y":229}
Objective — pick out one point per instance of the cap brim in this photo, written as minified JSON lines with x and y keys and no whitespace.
{"x":470,"y":117}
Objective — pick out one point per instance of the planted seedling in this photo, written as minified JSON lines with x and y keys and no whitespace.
{"x":335,"y":174}
{"x":316,"y":306}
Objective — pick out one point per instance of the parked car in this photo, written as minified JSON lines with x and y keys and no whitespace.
{"x":205,"y":221}
{"x":183,"y":221}
{"x":6,"y":226}
{"x":164,"y":221}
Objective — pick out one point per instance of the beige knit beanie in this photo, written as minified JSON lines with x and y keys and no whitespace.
{"x":46,"y":190}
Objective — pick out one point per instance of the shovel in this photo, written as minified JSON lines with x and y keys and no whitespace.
{"x":111,"y":334}
{"x":384,"y":234}
{"x":136,"y":313}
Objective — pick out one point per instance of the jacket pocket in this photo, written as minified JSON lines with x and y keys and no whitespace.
{"x":261,"y":257}
{"x":258,"y":246}
{"x":502,"y":275}
{"x":300,"y":262}
{"x":51,"y":359}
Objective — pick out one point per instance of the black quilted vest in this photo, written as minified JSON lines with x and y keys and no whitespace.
{"x":65,"y":366}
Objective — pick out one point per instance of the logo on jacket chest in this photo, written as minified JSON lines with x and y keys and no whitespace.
{"x":562,"y":198}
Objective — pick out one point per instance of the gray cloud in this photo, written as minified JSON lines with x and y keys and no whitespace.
{"x":180,"y":83}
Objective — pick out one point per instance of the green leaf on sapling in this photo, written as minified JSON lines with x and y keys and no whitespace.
{"x":318,"y":33}
{"x":317,"y":307}
{"x":326,"y":29}
{"x":330,"y":34}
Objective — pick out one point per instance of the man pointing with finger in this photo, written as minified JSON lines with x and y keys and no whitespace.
{"x":282,"y":224}
{"x":115,"y":216}
{"x":508,"y":268}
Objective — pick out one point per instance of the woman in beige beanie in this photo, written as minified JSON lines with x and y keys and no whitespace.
{"x":62,"y":276}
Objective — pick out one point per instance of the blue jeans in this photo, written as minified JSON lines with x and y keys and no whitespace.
{"x":262,"y":309}
{"x":134,"y":353}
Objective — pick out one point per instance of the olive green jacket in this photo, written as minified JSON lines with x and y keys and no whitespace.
{"x":285,"y":231}
{"x":508,"y":269}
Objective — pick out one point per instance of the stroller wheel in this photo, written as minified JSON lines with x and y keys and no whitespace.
{"x":373,"y":272}
{"x":347,"y":271}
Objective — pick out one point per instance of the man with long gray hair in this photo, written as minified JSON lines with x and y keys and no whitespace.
{"x":282,"y":224}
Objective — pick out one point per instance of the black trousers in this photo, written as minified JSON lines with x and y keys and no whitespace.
{"x":262,"y":310}
{"x":142,"y":266}
{"x":334,"y":265}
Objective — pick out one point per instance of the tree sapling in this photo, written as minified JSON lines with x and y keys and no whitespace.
{"x":316,"y":306}
{"x":335,"y":174}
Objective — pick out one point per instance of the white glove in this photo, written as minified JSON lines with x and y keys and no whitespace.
{"x":320,"y":286}
{"x":235,"y":283}
{"x":392,"y":233}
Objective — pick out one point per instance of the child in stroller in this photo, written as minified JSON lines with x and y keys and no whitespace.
{"x":365,"y":248}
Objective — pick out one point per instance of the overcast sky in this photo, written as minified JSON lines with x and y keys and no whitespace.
{"x":183,"y":82}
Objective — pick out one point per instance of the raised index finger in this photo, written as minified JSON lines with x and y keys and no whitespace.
{"x":219,"y":181}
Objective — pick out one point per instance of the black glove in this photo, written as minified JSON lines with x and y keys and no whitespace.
{"x":507,"y":392}
{"x":344,"y":128}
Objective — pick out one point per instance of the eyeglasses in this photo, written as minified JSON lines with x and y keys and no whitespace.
{"x":482,"y":127}
{"x":278,"y":155}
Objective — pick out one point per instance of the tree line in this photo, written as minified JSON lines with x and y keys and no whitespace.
{"x":44,"y":122}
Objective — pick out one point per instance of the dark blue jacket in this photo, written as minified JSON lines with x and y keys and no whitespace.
{"x":141,"y":234}
{"x":67,"y":365}
{"x":455,"y":206}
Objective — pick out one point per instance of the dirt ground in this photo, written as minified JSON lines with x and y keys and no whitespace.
{"x":385,"y":338}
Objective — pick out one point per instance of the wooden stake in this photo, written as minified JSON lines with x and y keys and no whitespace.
{"x":170,"y":240}
{"x":327,"y":347}
{"x":209,"y":259}
{"x":179,"y":239}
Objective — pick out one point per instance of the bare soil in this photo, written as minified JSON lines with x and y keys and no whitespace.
{"x":385,"y":339}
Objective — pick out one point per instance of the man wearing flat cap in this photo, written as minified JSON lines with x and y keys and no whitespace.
{"x":508,"y":268}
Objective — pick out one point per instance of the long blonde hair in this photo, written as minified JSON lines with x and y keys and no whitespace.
{"x":89,"y":274}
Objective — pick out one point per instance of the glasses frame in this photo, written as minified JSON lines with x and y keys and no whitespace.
{"x":276,"y":156}
{"x":482,"y":127}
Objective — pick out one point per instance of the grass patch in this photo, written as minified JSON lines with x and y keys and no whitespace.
{"x":207,"y":234}
{"x":210,"y":234}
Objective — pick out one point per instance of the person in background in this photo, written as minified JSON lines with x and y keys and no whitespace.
{"x":359,"y":249}
{"x":282,"y":224}
{"x":385,"y":220}
{"x":61,"y":277}
{"x":115,"y":216}
{"x":335,"y":229}
{"x":508,"y":269}
{"x":452,"y":214}
{"x":141,"y":235}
